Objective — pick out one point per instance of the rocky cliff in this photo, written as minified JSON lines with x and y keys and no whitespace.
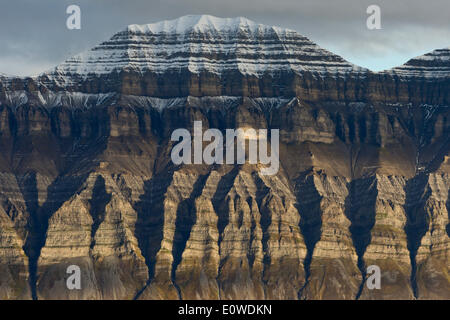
{"x":87,"y":178}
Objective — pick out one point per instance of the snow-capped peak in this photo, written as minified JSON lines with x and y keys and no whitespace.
{"x":203,"y":43}
{"x":430,"y":65}
{"x":198,"y":23}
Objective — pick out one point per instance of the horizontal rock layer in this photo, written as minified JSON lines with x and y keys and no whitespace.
{"x":358,"y":185}
{"x":386,"y":88}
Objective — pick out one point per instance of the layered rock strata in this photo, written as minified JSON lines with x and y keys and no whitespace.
{"x":86,"y":176}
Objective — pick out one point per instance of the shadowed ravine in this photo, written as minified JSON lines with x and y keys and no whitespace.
{"x":360,"y":210}
{"x":417,"y":193}
{"x":308,"y":200}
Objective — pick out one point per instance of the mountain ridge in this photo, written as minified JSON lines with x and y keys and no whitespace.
{"x":204,"y":23}
{"x":209,"y":56}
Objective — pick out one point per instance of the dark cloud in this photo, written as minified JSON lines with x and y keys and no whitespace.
{"x":34,"y":37}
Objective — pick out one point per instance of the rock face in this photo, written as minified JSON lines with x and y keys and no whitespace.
{"x":87,"y":179}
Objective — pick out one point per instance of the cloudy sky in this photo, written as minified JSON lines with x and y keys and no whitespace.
{"x":34,"y":37}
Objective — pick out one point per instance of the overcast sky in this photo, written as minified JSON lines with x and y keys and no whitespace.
{"x":34,"y":37}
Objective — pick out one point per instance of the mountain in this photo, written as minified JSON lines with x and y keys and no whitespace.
{"x":204,"y":44}
{"x":435,"y":64}
{"x":86,"y":176}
